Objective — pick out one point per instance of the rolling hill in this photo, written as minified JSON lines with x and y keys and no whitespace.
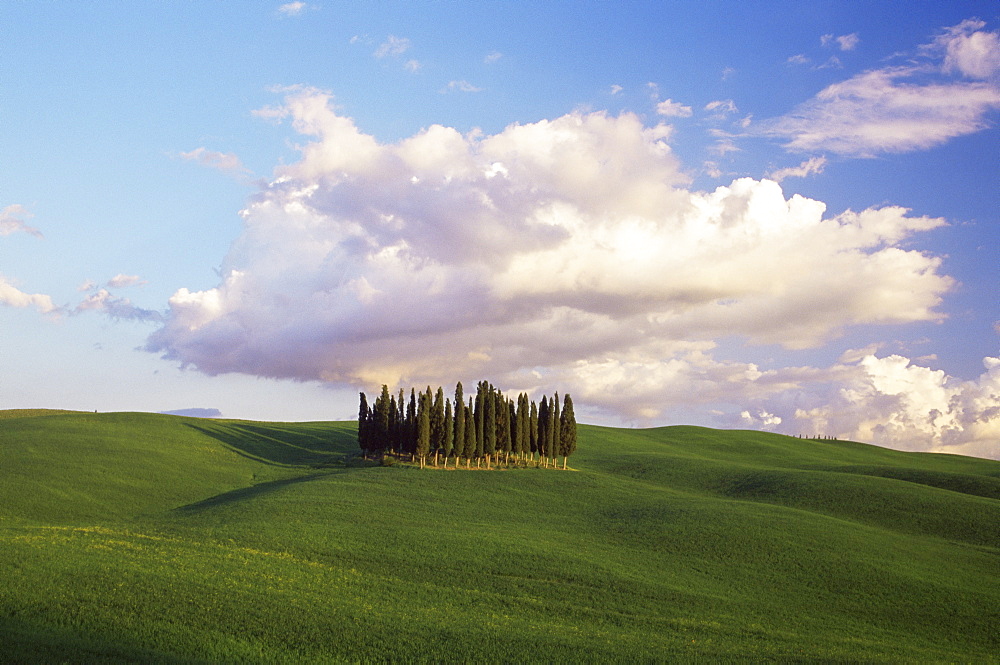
{"x":154,"y":538}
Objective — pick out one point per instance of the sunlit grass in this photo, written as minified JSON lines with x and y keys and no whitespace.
{"x":159,"y":538}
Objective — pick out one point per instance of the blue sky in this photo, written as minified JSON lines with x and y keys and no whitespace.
{"x":771,"y":216}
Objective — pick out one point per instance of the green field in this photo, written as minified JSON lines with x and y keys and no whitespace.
{"x":152,"y":538}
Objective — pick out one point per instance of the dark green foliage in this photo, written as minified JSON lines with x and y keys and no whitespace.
{"x":469,"y":447}
{"x":364,"y":426}
{"x":423,"y":445}
{"x":449,"y":431}
{"x":567,"y":430}
{"x":459,"y":421}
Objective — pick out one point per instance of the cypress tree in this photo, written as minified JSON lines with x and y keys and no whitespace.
{"x":479,"y":417}
{"x":423,"y":443}
{"x":554,"y":408}
{"x":393,"y":424}
{"x":469,"y":446}
{"x":544,"y":426}
{"x":411,"y":425}
{"x":515,"y":428}
{"x":459,"y":423}
{"x":437,"y":423}
{"x":489,"y":425}
{"x":364,"y":425}
{"x":504,"y":438}
{"x":449,"y":432}
{"x":533,"y":429}
{"x":567,"y":430}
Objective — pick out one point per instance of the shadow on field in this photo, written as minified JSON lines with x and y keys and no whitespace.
{"x":254,"y":491}
{"x":281,"y":445}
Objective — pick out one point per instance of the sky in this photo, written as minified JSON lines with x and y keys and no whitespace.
{"x":779,"y":216}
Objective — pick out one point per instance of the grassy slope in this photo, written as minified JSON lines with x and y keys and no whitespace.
{"x":158,"y":538}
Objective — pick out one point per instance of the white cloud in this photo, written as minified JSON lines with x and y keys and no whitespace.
{"x":492,"y":57}
{"x":968,"y":50}
{"x":117,"y":308}
{"x":722,"y":106}
{"x":798,"y":59}
{"x":892,"y":402}
{"x":461,"y":86}
{"x":222,"y":161}
{"x":292,"y":8}
{"x":843,"y":42}
{"x":561,"y":252}
{"x":904,"y":108}
{"x":615,"y":89}
{"x":12,"y":221}
{"x":412,"y":65}
{"x":11,"y":296}
{"x":672,"y":109}
{"x":393,"y":46}
{"x":806,"y":168}
{"x":122,"y":279}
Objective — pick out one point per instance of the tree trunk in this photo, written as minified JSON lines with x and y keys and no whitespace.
{"x":564,"y":462}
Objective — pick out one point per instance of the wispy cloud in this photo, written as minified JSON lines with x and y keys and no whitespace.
{"x":806,"y":168}
{"x":292,"y":8}
{"x":902,"y":108}
{"x":461,"y":86}
{"x":12,"y":221}
{"x":222,"y":161}
{"x":121,"y":280}
{"x":104,"y":302}
{"x":492,"y":57}
{"x":843,"y":42}
{"x":672,"y":109}
{"x":393,"y":46}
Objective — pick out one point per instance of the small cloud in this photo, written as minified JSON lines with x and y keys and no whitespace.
{"x":808,"y":167}
{"x":222,"y":161}
{"x":848,"y":42}
{"x":393,"y":46}
{"x":492,"y":57}
{"x":843,"y":42}
{"x":615,"y":89}
{"x":727,"y":72}
{"x":117,"y":308}
{"x":461,"y":86}
{"x":12,"y":220}
{"x":673,"y":109}
{"x":292,"y":8}
{"x":832,"y":63}
{"x":996,"y":327}
{"x":11,"y":296}
{"x":195,"y":413}
{"x":722,"y":106}
{"x":120,"y":280}
{"x":412,"y":65}
{"x":798,"y":59}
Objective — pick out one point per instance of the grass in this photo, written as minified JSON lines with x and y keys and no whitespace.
{"x":153,"y":538}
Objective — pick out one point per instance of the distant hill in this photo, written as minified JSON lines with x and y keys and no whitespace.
{"x":135,"y":537}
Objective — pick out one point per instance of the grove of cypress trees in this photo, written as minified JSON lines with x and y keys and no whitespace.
{"x":554,"y":408}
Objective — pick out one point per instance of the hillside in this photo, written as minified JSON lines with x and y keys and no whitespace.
{"x":154,"y":538}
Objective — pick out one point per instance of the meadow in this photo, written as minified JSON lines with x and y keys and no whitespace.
{"x":157,"y":539}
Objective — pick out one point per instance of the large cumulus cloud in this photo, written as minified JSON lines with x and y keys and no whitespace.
{"x":566,"y":251}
